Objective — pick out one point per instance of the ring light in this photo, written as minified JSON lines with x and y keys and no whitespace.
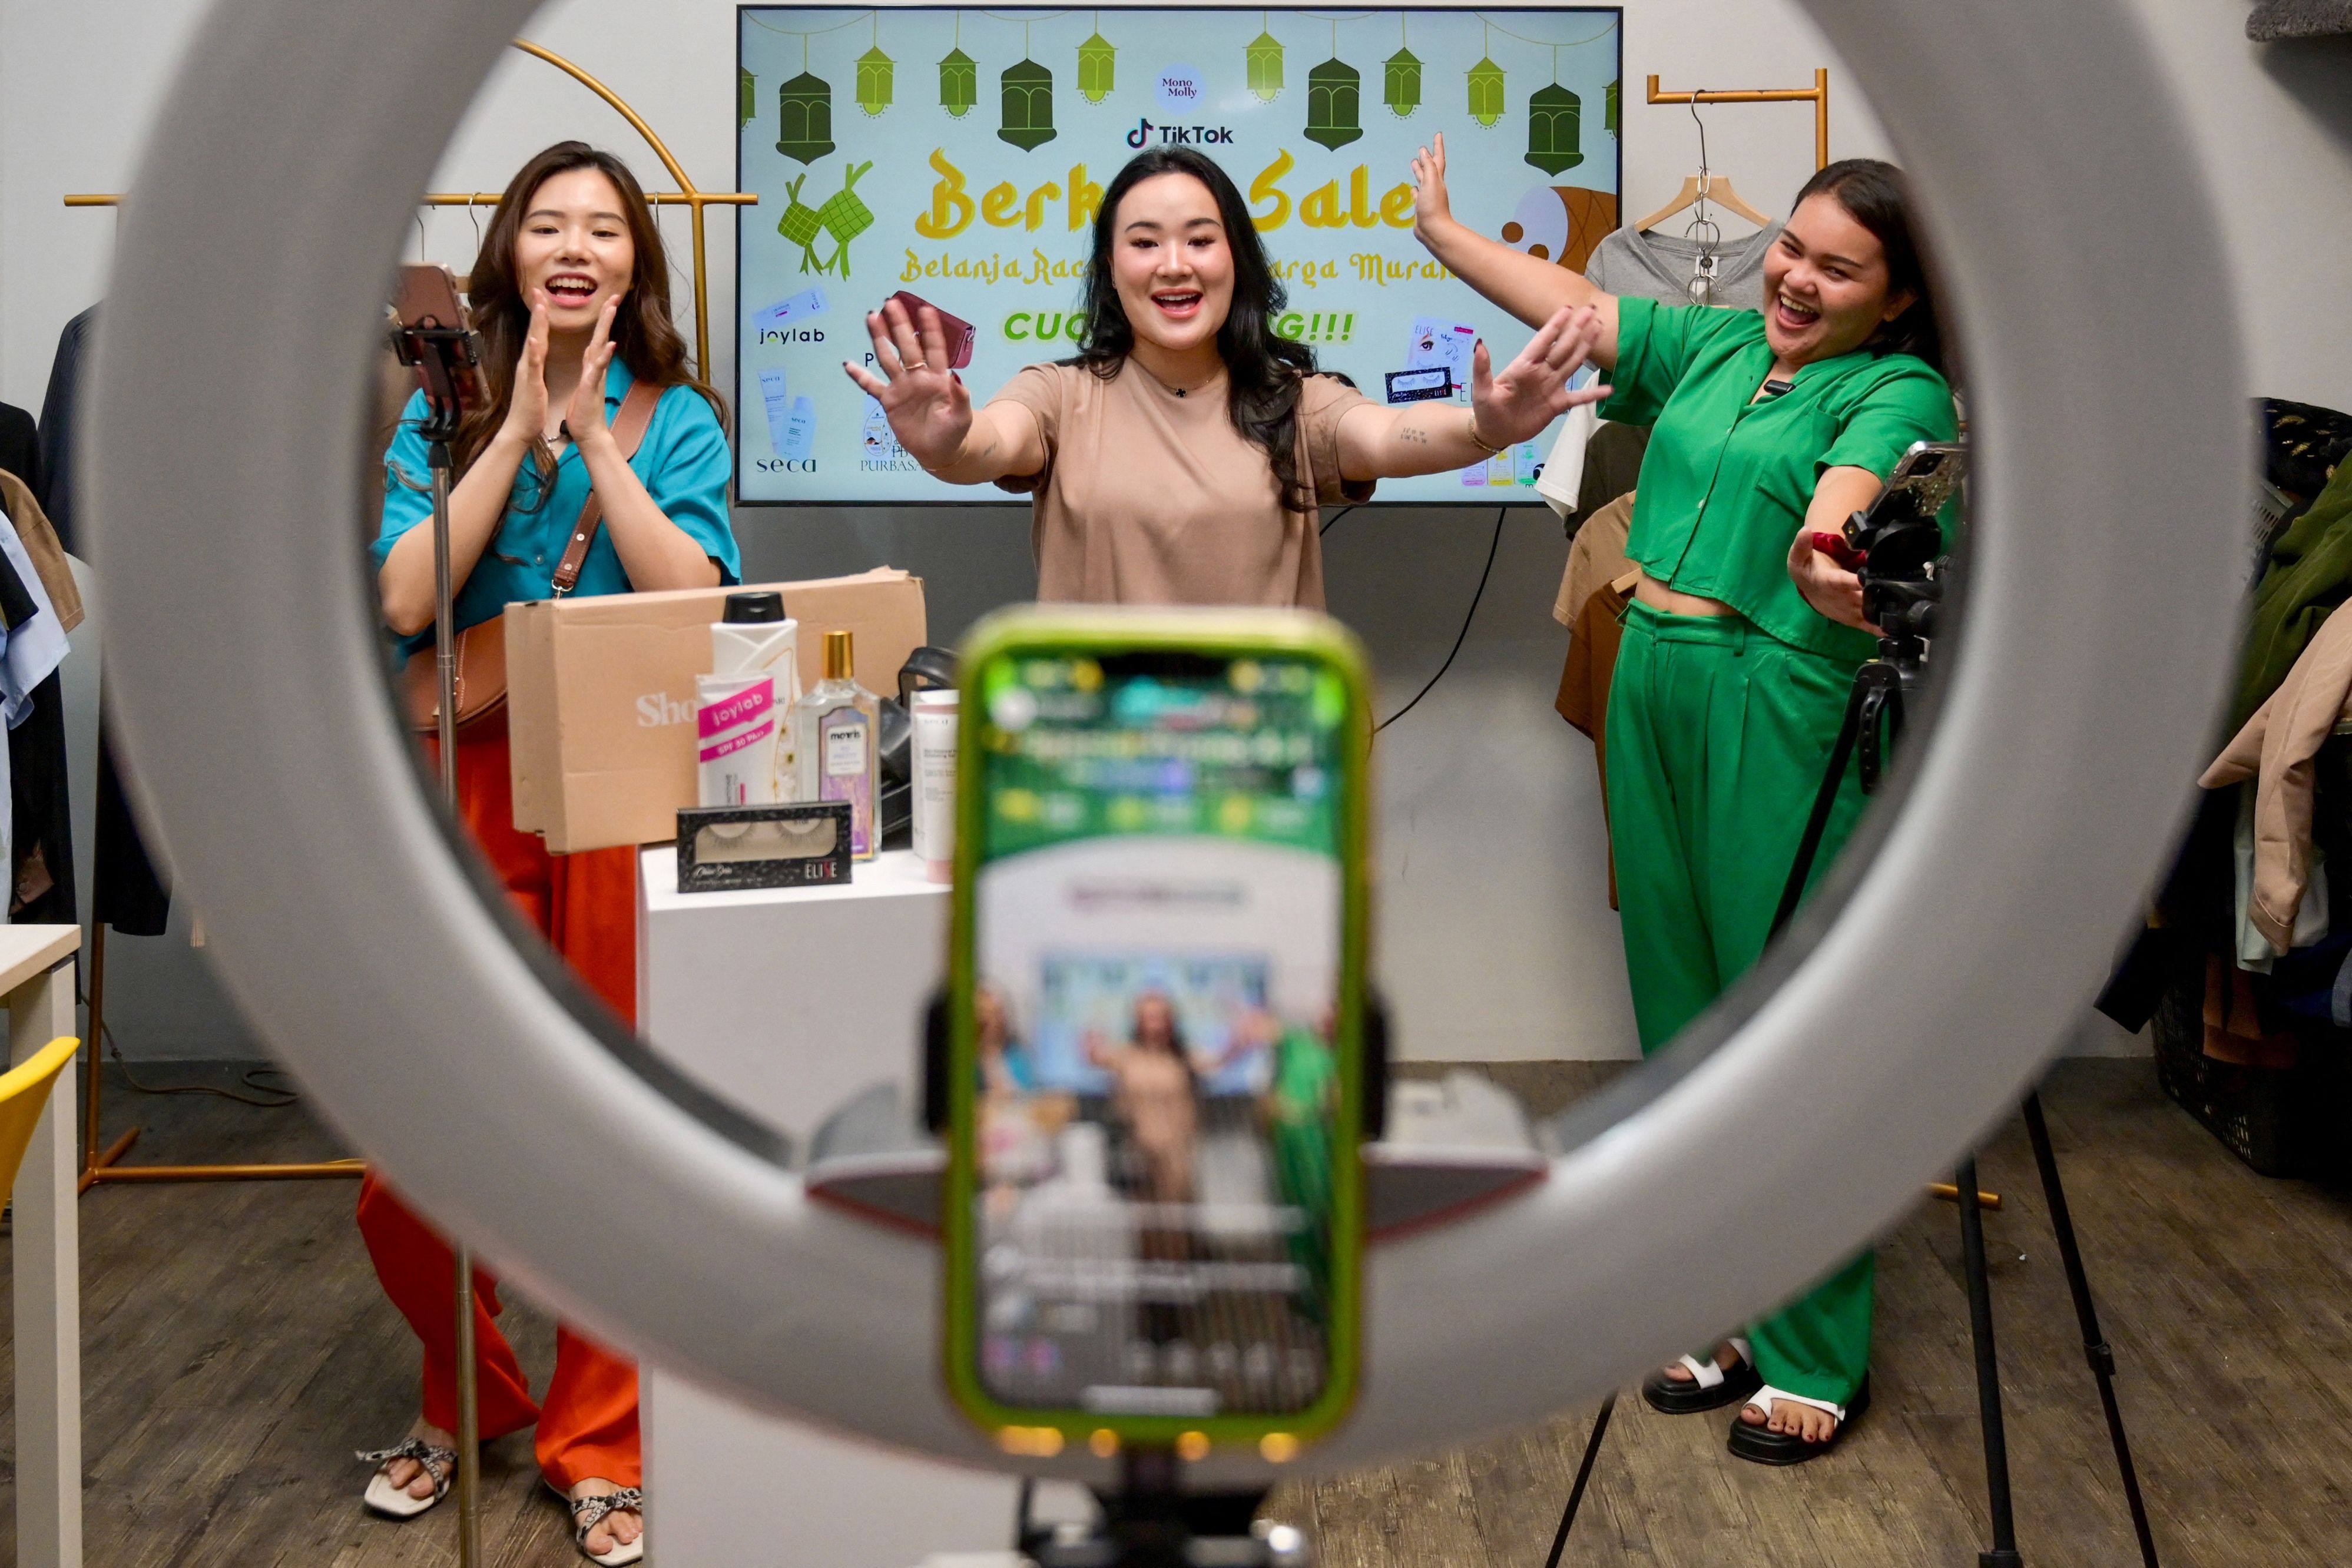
{"x":1923,"y":995}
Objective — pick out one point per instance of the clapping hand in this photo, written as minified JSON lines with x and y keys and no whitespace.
{"x":1533,"y":389}
{"x":583,"y":417}
{"x":928,"y":410}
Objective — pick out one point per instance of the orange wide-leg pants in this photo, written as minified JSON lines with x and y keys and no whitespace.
{"x":586,"y":905}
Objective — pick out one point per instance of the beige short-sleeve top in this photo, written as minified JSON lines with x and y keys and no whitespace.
{"x":1153,"y":496}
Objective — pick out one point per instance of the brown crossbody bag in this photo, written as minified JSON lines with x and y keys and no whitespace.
{"x":482,"y":649}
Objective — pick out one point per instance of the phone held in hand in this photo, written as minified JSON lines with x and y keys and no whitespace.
{"x":959,"y":333}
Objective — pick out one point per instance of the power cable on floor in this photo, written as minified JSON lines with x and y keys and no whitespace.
{"x":279,"y":1098}
{"x":1459,"y":637}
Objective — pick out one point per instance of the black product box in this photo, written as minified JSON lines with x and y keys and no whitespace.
{"x":723,"y":848}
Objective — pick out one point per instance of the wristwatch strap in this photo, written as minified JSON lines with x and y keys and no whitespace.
{"x":628,"y":433}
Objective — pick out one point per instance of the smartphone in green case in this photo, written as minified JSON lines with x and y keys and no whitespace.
{"x":1156,"y":1025}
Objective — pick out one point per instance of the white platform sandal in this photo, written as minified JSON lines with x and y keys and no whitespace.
{"x":1765,"y":1446}
{"x":1710,"y":1387}
{"x":588,"y":1512}
{"x":389,"y":1501}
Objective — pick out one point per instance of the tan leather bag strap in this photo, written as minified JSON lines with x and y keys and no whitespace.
{"x":628,"y":433}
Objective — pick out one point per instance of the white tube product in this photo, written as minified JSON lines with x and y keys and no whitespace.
{"x":934,"y":744}
{"x":743,"y":743}
{"x":735,"y":739}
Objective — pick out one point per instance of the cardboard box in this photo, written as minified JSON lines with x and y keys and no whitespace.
{"x":599,"y":695}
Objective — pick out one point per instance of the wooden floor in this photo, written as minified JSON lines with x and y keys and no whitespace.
{"x":237,"y":1349}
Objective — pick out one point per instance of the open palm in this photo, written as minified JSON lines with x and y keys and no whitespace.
{"x":1533,"y":389}
{"x":926,"y":402}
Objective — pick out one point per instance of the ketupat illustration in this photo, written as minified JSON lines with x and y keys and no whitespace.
{"x":846,"y":216}
{"x":801,"y":224}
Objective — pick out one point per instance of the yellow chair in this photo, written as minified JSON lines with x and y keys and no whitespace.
{"x":23,"y":1091}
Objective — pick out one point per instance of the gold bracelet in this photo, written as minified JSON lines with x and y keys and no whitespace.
{"x":1480,"y":441}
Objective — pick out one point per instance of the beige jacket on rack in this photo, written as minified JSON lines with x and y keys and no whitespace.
{"x":2277,"y":748}
{"x":40,"y":541}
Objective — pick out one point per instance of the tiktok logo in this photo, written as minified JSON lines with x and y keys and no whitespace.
{"x":1180,"y":135}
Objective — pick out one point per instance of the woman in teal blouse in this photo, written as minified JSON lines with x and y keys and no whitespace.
{"x":571,"y":292}
{"x":1740,"y":647}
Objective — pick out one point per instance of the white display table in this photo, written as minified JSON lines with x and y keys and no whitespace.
{"x":786,"y":1003}
{"x":37,"y":976}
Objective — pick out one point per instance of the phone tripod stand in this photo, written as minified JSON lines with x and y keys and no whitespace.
{"x":445,"y":359}
{"x":1147,"y":1521}
{"x":1873,"y":723}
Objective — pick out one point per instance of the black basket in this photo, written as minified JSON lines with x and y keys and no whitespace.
{"x":2282,"y":1121}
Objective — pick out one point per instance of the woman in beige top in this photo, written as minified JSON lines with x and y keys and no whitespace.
{"x":1180,"y":457}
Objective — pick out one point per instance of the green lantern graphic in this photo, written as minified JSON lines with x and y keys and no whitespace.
{"x":1486,"y":92}
{"x":875,"y":70}
{"x":1264,"y":56}
{"x":1028,"y":90}
{"x":1095,"y":58}
{"x":1400,"y":89}
{"x":958,"y":83}
{"x":1554,"y":121}
{"x":1608,"y":107}
{"x":747,"y":99}
{"x":804,"y":118}
{"x":1332,"y":91}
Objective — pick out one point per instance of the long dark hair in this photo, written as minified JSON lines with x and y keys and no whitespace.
{"x":643,"y":334}
{"x":1877,"y":195}
{"x":1263,"y":371}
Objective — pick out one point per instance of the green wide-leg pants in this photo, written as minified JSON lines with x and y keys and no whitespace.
{"x":1717,"y":738}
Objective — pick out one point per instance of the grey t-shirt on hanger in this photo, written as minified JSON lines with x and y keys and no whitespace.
{"x":1660,"y":266}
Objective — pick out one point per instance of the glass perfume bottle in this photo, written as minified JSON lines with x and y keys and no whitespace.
{"x":837,"y":733}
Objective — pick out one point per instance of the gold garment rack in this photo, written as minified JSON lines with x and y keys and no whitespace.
{"x":103,"y":1165}
{"x":687,"y":195}
{"x":1817,"y":95}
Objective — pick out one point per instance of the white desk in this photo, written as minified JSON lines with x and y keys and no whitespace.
{"x":37,"y":975}
{"x":786,"y":1003}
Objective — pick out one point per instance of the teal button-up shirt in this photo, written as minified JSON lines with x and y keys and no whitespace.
{"x":1727,"y":480}
{"x":683,"y":461}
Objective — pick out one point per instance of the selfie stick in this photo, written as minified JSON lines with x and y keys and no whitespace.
{"x":441,"y":355}
{"x":1906,"y":611}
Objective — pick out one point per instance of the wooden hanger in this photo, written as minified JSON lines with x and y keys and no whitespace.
{"x":1717,"y":189}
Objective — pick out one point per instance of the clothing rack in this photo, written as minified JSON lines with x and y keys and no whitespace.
{"x":1817,"y":95}
{"x":687,"y":195}
{"x":103,"y":1165}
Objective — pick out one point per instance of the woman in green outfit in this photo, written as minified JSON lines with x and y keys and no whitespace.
{"x":1740,"y":646}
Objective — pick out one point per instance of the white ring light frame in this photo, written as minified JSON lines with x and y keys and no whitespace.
{"x":2099,"y":634}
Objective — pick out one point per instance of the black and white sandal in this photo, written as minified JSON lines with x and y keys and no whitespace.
{"x":1710,"y":1387}
{"x":390,"y":1501}
{"x":588,"y":1512}
{"x":1765,"y":1446}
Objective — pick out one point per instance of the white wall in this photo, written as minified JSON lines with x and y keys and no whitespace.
{"x":1495,"y":933}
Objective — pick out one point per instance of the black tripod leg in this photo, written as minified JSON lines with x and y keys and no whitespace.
{"x":1996,"y":1438}
{"x":1824,"y":801}
{"x":1583,"y":1475}
{"x":2095,"y":1349}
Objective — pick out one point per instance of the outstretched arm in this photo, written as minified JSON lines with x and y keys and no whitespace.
{"x":1529,"y":288}
{"x":930,"y":412}
{"x":1829,"y":588}
{"x":1378,"y":442}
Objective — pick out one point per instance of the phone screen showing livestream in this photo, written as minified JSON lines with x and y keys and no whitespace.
{"x":1158,"y":923}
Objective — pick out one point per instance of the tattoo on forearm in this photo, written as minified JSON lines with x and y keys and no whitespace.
{"x":1413,"y":433}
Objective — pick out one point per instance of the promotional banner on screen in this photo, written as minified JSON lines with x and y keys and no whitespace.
{"x":958,"y":158}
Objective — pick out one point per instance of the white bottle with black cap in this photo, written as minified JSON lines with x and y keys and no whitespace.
{"x":744,"y":751}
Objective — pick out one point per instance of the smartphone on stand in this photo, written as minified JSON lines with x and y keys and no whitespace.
{"x":1157,"y":1064}
{"x":426,"y":310}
